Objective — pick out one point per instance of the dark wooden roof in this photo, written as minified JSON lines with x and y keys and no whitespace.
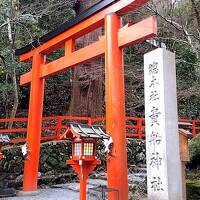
{"x":67,"y":25}
{"x":88,"y":131}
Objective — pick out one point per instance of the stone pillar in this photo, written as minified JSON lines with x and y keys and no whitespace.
{"x":164,"y":178}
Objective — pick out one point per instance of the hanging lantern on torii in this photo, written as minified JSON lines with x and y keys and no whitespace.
{"x":84,"y":145}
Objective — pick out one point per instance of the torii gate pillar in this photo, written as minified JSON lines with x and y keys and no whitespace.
{"x":115,"y":109}
{"x":34,"y":126}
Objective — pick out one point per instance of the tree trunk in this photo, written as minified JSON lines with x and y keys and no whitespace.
{"x":87,"y":92}
{"x":197,"y":15}
{"x":13,"y":15}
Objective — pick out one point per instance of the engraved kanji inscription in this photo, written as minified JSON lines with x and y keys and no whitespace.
{"x":153,"y":68}
{"x":153,"y":82}
{"x":154,"y":95}
{"x":155,"y":160}
{"x":156,"y":184}
{"x":155,"y":113}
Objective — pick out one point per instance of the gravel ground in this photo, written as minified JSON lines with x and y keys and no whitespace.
{"x":50,"y":194}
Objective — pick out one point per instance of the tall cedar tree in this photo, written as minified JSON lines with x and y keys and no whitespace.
{"x":87,"y":91}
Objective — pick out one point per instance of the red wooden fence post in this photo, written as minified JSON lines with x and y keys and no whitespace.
{"x":58,"y":126}
{"x":139,"y":124}
{"x":89,"y":121}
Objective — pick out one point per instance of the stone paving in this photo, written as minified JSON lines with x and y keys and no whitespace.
{"x":70,"y":191}
{"x":49,"y":194}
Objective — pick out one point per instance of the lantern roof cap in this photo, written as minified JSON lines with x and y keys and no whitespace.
{"x":4,"y":139}
{"x":86,"y":131}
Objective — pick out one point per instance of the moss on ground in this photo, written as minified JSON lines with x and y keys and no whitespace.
{"x":193,"y":189}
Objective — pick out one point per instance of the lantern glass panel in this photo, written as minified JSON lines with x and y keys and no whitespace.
{"x":88,"y":149}
{"x":77,"y":149}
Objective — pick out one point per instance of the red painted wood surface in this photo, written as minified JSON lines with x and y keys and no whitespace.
{"x":127,"y":35}
{"x":34,"y":126}
{"x":134,"y":127}
{"x":115,"y":108}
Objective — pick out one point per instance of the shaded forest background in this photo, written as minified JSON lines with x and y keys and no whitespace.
{"x":81,"y":92}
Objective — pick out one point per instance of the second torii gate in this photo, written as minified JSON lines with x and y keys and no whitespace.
{"x":107,"y":13}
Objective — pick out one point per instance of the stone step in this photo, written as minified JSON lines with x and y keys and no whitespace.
{"x":136,"y":178}
{"x":142,"y":169}
{"x":140,"y":175}
{"x":138,"y":170}
{"x":10,"y":192}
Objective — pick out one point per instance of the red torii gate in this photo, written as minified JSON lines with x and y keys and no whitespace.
{"x":107,"y":13}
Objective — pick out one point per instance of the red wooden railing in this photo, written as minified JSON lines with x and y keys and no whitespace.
{"x":54,"y":126}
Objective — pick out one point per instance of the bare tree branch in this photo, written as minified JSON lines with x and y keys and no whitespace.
{"x":4,"y":24}
{"x":176,"y":25}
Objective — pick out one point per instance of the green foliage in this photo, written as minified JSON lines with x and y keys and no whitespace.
{"x":36,"y":17}
{"x":189,"y":107}
{"x":187,"y":82}
{"x":192,"y":174}
{"x":186,"y":70}
{"x":136,"y":152}
{"x":193,"y":190}
{"x":194,"y":147}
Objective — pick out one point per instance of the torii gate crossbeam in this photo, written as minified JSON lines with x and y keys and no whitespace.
{"x":126,"y":36}
{"x":111,"y":45}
